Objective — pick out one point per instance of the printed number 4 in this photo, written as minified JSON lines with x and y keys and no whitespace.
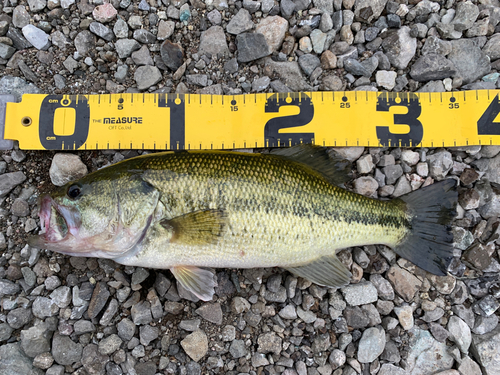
{"x":486,"y":125}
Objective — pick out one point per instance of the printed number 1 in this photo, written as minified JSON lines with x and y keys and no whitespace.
{"x":177,"y":119}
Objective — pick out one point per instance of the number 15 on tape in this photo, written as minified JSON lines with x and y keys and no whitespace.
{"x":192,"y":121}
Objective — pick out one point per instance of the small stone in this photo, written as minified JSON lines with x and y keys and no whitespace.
{"x":365,"y":164}
{"x":83,"y":326}
{"x":405,"y":284}
{"x":101,"y":31}
{"x":360,"y":294}
{"x":141,"y":313}
{"x":148,"y":334}
{"x":485,"y":349}
{"x":366,"y":186}
{"x":65,"y":168}
{"x":37,"y":37}
{"x":195,"y":345}
{"x":213,"y":42}
{"x":328,"y":60}
{"x":65,"y":351}
{"x":251,"y":47}
{"x":386,"y":79}
{"x":99,"y":298}
{"x":211,"y":312}
{"x":35,"y":340}
{"x":240,"y":23}
{"x":238,"y":349}
{"x":104,"y":13}
{"x":269,"y":343}
{"x":147,"y":76}
{"x":110,"y":344}
{"x":126,"y":329}
{"x":43,"y":361}
{"x":371,"y":344}
{"x":405,"y":316}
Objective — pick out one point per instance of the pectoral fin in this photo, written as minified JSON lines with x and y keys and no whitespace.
{"x":198,"y":281}
{"x":327,"y":271}
{"x":197,"y":228}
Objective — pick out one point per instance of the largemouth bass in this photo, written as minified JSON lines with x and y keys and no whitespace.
{"x":192,"y":210}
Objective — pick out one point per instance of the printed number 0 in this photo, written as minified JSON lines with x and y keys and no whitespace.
{"x":416,"y":133}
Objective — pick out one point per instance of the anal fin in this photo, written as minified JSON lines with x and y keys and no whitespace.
{"x":198,"y":281}
{"x":327,"y":271}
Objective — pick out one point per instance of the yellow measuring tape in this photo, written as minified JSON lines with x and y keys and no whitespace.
{"x":191,"y":121}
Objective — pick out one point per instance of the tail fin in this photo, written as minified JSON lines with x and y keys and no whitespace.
{"x":429,"y":244}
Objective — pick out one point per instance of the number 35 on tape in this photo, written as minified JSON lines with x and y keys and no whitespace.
{"x":175,"y":122}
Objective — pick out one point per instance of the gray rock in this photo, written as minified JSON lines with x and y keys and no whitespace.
{"x":434,"y":45}
{"x":402,"y":187}
{"x":18,"y":40}
{"x":287,"y":8}
{"x":147,"y":76}
{"x":238,"y":349}
{"x":366,"y":185}
{"x":148,"y":334}
{"x":120,"y":29}
{"x":371,"y":344}
{"x":44,"y":307}
{"x":125,"y":47}
{"x":18,"y":318}
{"x":13,"y":361}
{"x":440,"y":163}
{"x":6,"y":51}
{"x":465,"y":15}
{"x":289,"y":73}
{"x":368,"y":10}
{"x":37,"y":5}
{"x":71,"y":64}
{"x":485,"y":324}
{"x":142,"y":57}
{"x":360,"y":294}
{"x":195,"y":345}
{"x":92,"y":361}
{"x":65,"y":168}
{"x":36,"y":340}
{"x":240,"y":23}
{"x":251,"y":46}
{"x":61,"y":296}
{"x":492,"y":47}
{"x":37,"y":37}
{"x":211,"y":312}
{"x":84,"y":42}
{"x":308,"y":63}
{"x":400,"y":47}
{"x":5,"y":331}
{"x":485,"y":350}
{"x":126,"y":329}
{"x":83,"y":326}
{"x":144,"y":36}
{"x":390,"y":369}
{"x":172,"y":55}
{"x":384,"y":289}
{"x":355,"y":317}
{"x":21,"y":208}
{"x":59,"y":81}
{"x":99,"y":298}
{"x":386,"y":79}
{"x":141,"y":313}
{"x":101,"y":31}
{"x":431,"y":67}
{"x":20,"y":17}
{"x":17,"y":87}
{"x":269,"y":343}
{"x":65,"y":351}
{"x":427,"y":355}
{"x":110,"y":344}
{"x":470,"y":62}
{"x":365,"y":68}
{"x":190,"y":325}
{"x":197,"y":79}
{"x":213,"y":42}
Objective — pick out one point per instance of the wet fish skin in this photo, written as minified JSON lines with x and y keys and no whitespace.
{"x":188,"y":210}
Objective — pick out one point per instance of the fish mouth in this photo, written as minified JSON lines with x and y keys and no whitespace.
{"x":58,"y":223}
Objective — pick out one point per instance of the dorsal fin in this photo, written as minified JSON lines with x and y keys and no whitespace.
{"x":334,"y":167}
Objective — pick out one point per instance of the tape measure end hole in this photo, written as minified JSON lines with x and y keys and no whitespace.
{"x":26,"y":121}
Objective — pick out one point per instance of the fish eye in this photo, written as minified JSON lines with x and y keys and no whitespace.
{"x":74,"y":191}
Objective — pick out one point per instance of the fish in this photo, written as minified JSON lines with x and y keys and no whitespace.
{"x":194,"y":211}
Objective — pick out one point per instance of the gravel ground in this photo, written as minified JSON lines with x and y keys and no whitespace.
{"x":62,"y":315}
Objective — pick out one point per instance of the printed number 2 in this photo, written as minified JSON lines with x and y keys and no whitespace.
{"x":486,"y":124}
{"x":416,"y":133}
{"x":272,"y":128}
